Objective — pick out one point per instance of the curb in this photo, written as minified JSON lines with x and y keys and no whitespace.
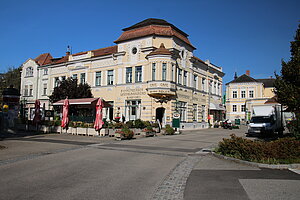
{"x":260,"y":165}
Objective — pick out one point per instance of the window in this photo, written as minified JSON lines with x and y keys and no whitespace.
{"x":179,"y":76}
{"x":182,"y":110}
{"x":203,"y":113}
{"x":219,"y":89}
{"x":251,"y":94}
{"x":138,"y":74}
{"x":153,"y":71}
{"x":56,"y":81}
{"x":243,"y":108}
{"x":129,"y":75}
{"x":172,"y":72}
{"x":110,"y":77}
{"x":26,"y":90}
{"x":45,"y":89}
{"x":195,"y":115}
{"x":82,"y":78}
{"x":215,"y":88}
{"x":233,"y":108}
{"x":98,"y":79}
{"x":210,"y":86}
{"x":132,"y":108}
{"x":45,"y":71}
{"x":29,"y":71}
{"x":164,"y":71}
{"x":243,"y":94}
{"x":74,"y":76}
{"x":195,"y":80}
{"x":184,"y":78}
{"x":234,"y":94}
{"x":203,"y":84}
{"x":31,"y":90}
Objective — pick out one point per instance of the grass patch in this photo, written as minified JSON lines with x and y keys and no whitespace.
{"x":281,"y":151}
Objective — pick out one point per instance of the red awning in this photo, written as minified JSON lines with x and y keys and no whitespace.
{"x":83,"y":101}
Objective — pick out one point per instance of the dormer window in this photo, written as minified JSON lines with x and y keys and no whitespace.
{"x":29,"y":71}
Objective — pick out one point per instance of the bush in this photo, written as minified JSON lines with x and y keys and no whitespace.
{"x":283,"y":151}
{"x":138,"y":123}
{"x":169,"y":130}
{"x":57,"y":123}
{"x":126,"y":133}
{"x":129,"y":124}
{"x":235,"y":127}
{"x":294,"y":128}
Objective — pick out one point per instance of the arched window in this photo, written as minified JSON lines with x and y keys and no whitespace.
{"x":29,"y":71}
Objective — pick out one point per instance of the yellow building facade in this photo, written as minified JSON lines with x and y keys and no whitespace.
{"x":244,"y":92}
{"x":150,"y":74}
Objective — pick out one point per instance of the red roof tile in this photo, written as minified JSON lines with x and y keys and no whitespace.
{"x":43,"y":59}
{"x":158,"y":30}
{"x":160,"y":51}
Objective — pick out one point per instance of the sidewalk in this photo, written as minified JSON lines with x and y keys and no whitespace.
{"x":215,"y":179}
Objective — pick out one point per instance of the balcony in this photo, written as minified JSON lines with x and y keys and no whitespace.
{"x":161,"y":89}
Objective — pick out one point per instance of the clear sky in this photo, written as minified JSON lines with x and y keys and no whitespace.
{"x":234,"y":34}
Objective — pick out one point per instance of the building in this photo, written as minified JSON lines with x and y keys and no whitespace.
{"x":244,"y":92}
{"x":149,"y":74}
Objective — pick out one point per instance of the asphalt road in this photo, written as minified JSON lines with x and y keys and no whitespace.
{"x":75,"y":167}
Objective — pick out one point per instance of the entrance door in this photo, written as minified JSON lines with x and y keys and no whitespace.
{"x":160,"y":112}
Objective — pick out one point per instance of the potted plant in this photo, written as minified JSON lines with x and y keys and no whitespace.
{"x":149,"y":131}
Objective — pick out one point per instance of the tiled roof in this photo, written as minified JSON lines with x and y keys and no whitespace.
{"x":98,"y":52}
{"x":160,"y":51}
{"x":243,"y":79}
{"x":154,"y":21}
{"x":43,"y":59}
{"x":150,"y":27}
{"x":268,"y":82}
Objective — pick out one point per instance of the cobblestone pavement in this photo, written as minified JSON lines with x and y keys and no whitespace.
{"x":172,"y":187}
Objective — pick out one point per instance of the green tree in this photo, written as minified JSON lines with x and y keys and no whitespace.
{"x":11,"y":77}
{"x":69,"y":88}
{"x":287,"y":85}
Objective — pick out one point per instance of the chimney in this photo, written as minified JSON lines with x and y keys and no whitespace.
{"x":248,"y":72}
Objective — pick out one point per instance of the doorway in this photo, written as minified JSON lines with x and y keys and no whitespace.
{"x":160,"y":112}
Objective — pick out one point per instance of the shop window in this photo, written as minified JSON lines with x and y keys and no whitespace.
{"x":132,"y":109}
{"x":182,"y":109}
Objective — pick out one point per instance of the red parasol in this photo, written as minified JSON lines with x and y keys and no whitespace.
{"x":65,"y":117}
{"x":37,"y":113}
{"x":98,"y":121}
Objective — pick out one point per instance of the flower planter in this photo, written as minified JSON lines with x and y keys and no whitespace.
{"x":81,"y":131}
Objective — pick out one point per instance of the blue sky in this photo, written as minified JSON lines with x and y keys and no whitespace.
{"x":234,"y":34}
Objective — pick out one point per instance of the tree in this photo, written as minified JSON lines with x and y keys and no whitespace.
{"x":287,"y":85}
{"x":69,"y":88}
{"x":11,"y":77}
